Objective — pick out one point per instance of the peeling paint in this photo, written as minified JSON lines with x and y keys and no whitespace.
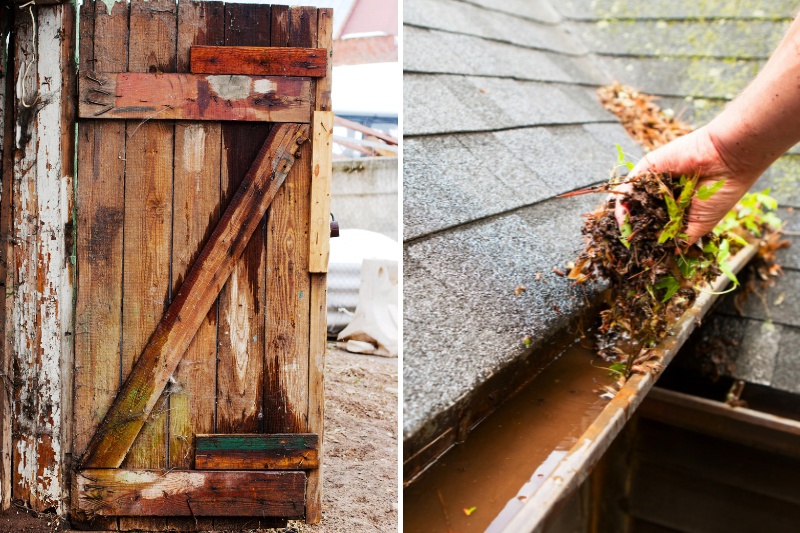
{"x":264,"y":86}
{"x":230,"y":87}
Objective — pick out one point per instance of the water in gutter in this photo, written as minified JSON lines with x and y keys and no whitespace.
{"x":540,"y":445}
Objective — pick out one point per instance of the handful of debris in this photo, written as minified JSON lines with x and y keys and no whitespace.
{"x":655,"y":275}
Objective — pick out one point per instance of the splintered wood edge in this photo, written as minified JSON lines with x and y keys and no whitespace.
{"x":192,"y":493}
{"x":573,"y":469}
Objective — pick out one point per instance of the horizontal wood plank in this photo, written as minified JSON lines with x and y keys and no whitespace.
{"x":287,"y":451}
{"x":259,"y":60}
{"x":188,"y":310}
{"x":159,"y":96}
{"x":116,"y":492}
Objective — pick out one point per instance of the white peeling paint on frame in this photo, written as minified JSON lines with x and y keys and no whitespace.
{"x":23,"y":300}
{"x":51,"y":255}
{"x":42,"y":294}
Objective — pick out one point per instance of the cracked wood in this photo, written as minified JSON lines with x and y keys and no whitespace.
{"x":198,"y":292}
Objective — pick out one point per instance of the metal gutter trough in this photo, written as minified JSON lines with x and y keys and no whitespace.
{"x":576,"y":464}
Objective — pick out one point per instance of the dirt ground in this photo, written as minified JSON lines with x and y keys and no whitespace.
{"x":360,"y":462}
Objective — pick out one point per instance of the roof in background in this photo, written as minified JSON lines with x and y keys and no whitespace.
{"x":500,"y":116}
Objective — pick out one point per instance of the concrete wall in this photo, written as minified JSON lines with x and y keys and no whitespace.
{"x":364,"y":194}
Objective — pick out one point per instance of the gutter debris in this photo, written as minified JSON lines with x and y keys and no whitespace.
{"x":655,"y":275}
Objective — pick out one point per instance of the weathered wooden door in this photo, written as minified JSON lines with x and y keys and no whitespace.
{"x":200,"y":320}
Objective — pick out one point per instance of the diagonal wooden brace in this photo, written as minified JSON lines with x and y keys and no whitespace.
{"x":166,"y":347}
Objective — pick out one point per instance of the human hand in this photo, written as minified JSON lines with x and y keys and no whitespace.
{"x":697,"y":153}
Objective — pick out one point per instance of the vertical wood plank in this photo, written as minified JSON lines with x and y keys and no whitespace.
{"x":68,"y":287}
{"x":192,"y":402}
{"x":325,"y":40}
{"x":55,"y":194}
{"x":24,"y":334}
{"x":240,"y":372}
{"x":100,"y":215}
{"x":147,"y":229}
{"x":288,"y":281}
{"x":6,"y":384}
{"x":319,"y":318}
{"x":42,"y":199}
{"x":195,"y":214}
{"x":241,"y":302}
{"x":319,"y":235}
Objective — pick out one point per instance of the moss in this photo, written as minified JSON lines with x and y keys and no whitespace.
{"x":776,"y":9}
{"x":784,"y":178}
{"x":715,"y":38}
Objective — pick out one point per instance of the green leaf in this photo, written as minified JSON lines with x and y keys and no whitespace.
{"x":669,"y":231}
{"x":710,"y":248}
{"x":737,"y":239}
{"x":629,"y":165}
{"x":671,"y":285}
{"x":672,"y":207}
{"x":725,"y":267}
{"x":772,"y":220}
{"x":625,"y":231}
{"x":618,"y":368}
{"x":686,"y":194}
{"x":707,"y":191}
{"x":620,"y":155}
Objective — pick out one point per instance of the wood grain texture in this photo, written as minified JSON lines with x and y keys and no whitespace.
{"x":100,"y":215}
{"x":199,"y":290}
{"x":195,"y":214}
{"x":321,"y":170}
{"x":288,"y":281}
{"x":196,"y":210}
{"x":288,"y":451}
{"x":241,"y":312}
{"x":259,"y":61}
{"x":6,"y":385}
{"x":114,"y":492}
{"x":325,"y":40}
{"x":318,"y":324}
{"x":147,"y":227}
{"x":181,"y":96}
